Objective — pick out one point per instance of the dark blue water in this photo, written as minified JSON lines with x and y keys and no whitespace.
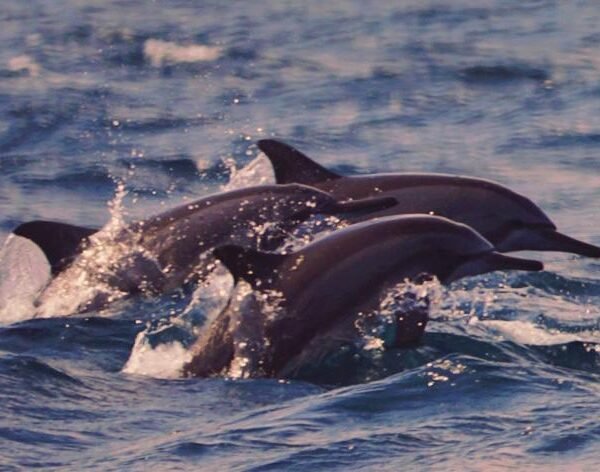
{"x":166,"y":96}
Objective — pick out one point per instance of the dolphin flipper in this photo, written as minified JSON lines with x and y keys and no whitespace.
{"x":292,"y":166}
{"x":60,"y":242}
{"x":248,"y":264}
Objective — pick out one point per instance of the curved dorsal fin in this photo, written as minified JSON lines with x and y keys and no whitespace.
{"x":255,"y":267}
{"x":291,"y":166}
{"x":60,"y":242}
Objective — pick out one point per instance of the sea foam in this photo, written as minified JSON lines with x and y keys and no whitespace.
{"x":160,"y":53}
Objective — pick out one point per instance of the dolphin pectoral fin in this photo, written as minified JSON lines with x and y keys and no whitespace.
{"x":364,"y":206}
{"x":60,"y":242}
{"x":410,"y":326}
{"x":292,"y":166}
{"x":551,"y":240}
{"x":255,"y":267}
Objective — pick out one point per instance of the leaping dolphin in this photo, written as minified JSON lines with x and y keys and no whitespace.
{"x":508,"y":220}
{"x":165,"y":251}
{"x":332,"y":279}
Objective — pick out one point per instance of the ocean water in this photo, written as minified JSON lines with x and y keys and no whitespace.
{"x":116,"y":110}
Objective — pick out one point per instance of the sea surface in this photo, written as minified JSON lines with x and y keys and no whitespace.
{"x":115,"y":110}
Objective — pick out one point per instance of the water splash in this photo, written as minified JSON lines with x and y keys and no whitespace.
{"x":471,"y":301}
{"x":257,"y":172}
{"x":487,"y":306}
{"x":382,"y":328}
{"x":24,"y":272}
{"x":163,"y":361}
{"x":210,"y":296}
{"x":310,"y":230}
{"x":164,"y":347}
{"x":166,"y":358}
{"x":84,"y":284}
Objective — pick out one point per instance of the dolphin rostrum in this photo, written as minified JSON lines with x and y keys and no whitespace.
{"x":330,"y":280}
{"x":165,"y":251}
{"x":508,"y":220}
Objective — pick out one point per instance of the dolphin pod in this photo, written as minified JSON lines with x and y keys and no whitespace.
{"x":511,"y":222}
{"x":173,"y":248}
{"x":404,"y":227}
{"x":332,"y":279}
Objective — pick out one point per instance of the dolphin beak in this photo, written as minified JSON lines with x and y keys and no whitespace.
{"x":546,"y":239}
{"x":551,"y":240}
{"x":364,"y":206}
{"x":497,"y":261}
{"x":491,"y":262}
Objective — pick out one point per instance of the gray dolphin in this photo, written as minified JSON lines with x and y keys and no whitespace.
{"x":165,"y":251}
{"x":329,"y":280}
{"x":508,"y":220}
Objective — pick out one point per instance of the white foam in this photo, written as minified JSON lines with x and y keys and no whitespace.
{"x":24,"y":63}
{"x":24,"y":272}
{"x":165,"y":361}
{"x":161,"y":53}
{"x":30,"y":75}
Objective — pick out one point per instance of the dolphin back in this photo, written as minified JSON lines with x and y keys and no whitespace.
{"x":60,"y":242}
{"x":292,"y":166}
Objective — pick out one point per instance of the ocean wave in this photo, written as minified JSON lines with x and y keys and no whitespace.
{"x":45,"y":379}
{"x":570,"y":138}
{"x":565,"y":440}
{"x":180,"y":166}
{"x":94,"y":180}
{"x":161,"y":123}
{"x":34,"y":122}
{"x":558,"y":139}
{"x":64,"y":442}
{"x":557,"y":284}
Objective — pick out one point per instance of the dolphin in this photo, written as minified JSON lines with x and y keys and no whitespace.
{"x":508,"y":220}
{"x":328,"y":281}
{"x":163,"y":252}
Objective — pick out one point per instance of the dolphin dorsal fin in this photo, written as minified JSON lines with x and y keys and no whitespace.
{"x":60,"y":242}
{"x":291,"y":166}
{"x":255,"y":267}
